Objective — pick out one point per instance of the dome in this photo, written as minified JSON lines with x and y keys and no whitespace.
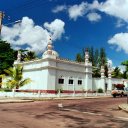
{"x":52,"y":53}
{"x":55,"y":53}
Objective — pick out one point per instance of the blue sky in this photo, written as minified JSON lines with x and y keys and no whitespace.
{"x":73,"y":25}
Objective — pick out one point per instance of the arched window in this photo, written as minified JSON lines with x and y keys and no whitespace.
{"x":79,"y":82}
{"x":61,"y":80}
{"x":70,"y":81}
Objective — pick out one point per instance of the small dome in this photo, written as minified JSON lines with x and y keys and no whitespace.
{"x":52,"y":52}
{"x":55,"y":53}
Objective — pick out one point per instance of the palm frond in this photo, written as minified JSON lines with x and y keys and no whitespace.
{"x":25,"y":81}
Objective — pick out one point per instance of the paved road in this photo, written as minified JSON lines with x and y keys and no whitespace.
{"x":85,"y":113}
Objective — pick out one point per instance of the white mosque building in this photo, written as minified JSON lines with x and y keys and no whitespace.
{"x":51,"y":73}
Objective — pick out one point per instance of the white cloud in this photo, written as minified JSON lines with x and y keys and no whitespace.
{"x":119,"y":23}
{"x":76,"y":11}
{"x":59,"y":8}
{"x":121,"y":41}
{"x":32,"y":36}
{"x":67,"y":37}
{"x":93,"y":17}
{"x":94,"y":6}
{"x":122,"y":68}
{"x":109,"y":62}
{"x":116,"y":8}
{"x":56,"y":28}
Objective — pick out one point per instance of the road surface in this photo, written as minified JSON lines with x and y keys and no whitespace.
{"x":84,"y":113}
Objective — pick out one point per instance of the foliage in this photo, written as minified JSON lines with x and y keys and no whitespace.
{"x":97,"y":57}
{"x":79,"y":58}
{"x":59,"y":90}
{"x":100,"y":90}
{"x":27,"y":55}
{"x":96,"y":72}
{"x":125,"y":73}
{"x":125,"y":63}
{"x":116,"y":73}
{"x":7,"y":56}
{"x":5,"y":90}
{"x":16,"y":78}
{"x":103,"y":59}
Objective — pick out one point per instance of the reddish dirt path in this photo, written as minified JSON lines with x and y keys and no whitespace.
{"x":85,"y":113}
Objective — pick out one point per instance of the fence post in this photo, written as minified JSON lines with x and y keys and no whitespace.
{"x":38,"y":93}
{"x":86,"y":94}
{"x":59,"y":93}
{"x":13,"y":92}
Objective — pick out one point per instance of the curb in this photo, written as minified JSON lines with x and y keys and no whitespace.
{"x":65,"y":98}
{"x":28,"y":99}
{"x":15,"y":101}
{"x":123,"y":107}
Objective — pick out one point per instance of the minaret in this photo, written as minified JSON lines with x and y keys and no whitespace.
{"x":86,"y":57}
{"x":50,"y":53}
{"x":102,"y":81}
{"x":49,"y":46}
{"x":88,"y":72}
{"x":18,"y":58}
{"x":109,"y":79}
{"x":102,"y":71}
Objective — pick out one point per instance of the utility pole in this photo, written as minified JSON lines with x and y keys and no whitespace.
{"x":1,"y":18}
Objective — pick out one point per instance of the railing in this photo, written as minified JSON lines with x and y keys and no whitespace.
{"x":44,"y":93}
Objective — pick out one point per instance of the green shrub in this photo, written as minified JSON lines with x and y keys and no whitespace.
{"x":100,"y":90}
{"x":61,"y":91}
{"x":5,"y":90}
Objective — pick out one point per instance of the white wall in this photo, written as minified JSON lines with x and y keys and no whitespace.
{"x":45,"y":74}
{"x":66,"y":75}
{"x":96,"y":83}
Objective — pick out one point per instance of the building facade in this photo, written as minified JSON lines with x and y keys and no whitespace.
{"x":52,"y":73}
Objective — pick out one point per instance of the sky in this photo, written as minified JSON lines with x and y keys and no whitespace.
{"x":72,"y":24}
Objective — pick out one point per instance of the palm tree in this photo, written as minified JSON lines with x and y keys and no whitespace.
{"x":116,"y":73}
{"x":79,"y":58}
{"x":16,"y":77}
{"x":125,"y":63}
{"x":30,"y":55}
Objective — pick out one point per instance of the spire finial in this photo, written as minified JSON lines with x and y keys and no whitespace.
{"x":86,"y":56}
{"x":19,"y":56}
{"x":49,"y":46}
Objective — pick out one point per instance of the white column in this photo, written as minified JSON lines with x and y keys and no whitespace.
{"x":88,"y":72}
{"x":109,"y":79}
{"x":18,"y":58}
{"x":102,"y":81}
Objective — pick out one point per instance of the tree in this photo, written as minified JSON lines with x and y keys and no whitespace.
{"x":116,"y":73}
{"x":103,"y":60}
{"x":16,"y":77}
{"x":79,"y":58}
{"x":91,"y":55}
{"x":125,"y":63}
{"x":30,"y":55}
{"x":7,"y":56}
{"x":96,"y":58}
{"x":124,"y":75}
{"x":96,"y":72}
{"x":106,"y":70}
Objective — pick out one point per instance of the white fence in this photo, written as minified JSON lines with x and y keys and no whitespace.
{"x":48,"y":95}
